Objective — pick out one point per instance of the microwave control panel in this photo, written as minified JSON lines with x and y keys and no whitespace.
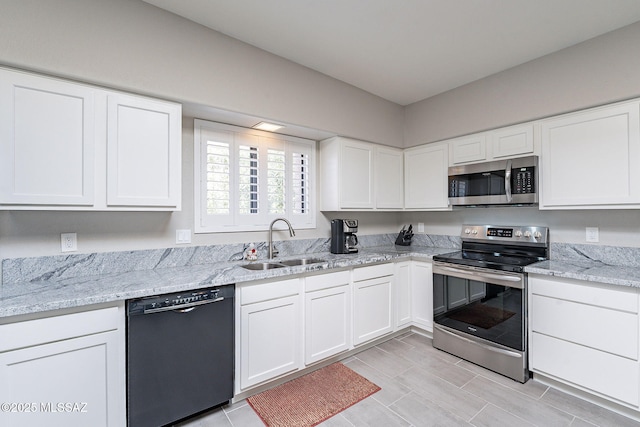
{"x":523,"y":180}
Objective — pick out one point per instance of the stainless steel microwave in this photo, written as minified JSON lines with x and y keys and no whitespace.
{"x":500,"y":182}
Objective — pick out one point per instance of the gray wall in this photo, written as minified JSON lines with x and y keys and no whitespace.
{"x":599,"y":71}
{"x":130,"y":45}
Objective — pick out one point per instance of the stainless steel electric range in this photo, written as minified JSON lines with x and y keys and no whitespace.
{"x":480,"y":296}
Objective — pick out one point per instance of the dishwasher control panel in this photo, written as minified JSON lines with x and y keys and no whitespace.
{"x":179,"y":300}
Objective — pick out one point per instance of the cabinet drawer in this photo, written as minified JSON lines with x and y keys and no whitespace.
{"x":261,"y":291}
{"x":57,"y":328}
{"x":600,"y":295}
{"x":601,"y":372}
{"x":325,"y":281}
{"x":599,"y":328}
{"x":373,"y":271}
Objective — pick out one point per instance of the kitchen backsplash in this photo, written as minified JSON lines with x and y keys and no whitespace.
{"x":15,"y":270}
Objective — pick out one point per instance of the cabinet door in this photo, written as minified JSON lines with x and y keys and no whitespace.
{"x":512,"y":141}
{"x":80,"y":374}
{"x":389,"y":173}
{"x":591,"y":159}
{"x":426,"y":179}
{"x":402,"y":283}
{"x":270,"y":337}
{"x":47,"y":141}
{"x":143,"y":152}
{"x":327,"y":322}
{"x":372,"y":309}
{"x":472,"y":148}
{"x":356,"y":183}
{"x":422,"y":294}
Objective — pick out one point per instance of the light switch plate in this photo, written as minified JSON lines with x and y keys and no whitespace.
{"x":183,"y":237}
{"x":592,"y":234}
{"x":421,"y":227}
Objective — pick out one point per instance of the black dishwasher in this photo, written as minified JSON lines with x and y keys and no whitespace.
{"x":180,"y":354}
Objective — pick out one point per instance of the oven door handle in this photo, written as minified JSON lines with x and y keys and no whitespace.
{"x":484,"y":275}
{"x":507,"y":181}
{"x":474,"y":274}
{"x":485,"y":346}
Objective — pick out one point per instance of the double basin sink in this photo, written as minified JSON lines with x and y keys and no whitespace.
{"x":279,"y":264}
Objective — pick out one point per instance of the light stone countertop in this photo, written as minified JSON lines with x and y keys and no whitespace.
{"x":588,"y":270}
{"x":58,"y":293}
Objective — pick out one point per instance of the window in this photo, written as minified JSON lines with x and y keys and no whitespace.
{"x":245,"y":178}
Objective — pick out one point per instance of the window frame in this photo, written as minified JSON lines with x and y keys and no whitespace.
{"x":235,"y":136}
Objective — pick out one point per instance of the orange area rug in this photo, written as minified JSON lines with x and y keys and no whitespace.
{"x":311,"y":399}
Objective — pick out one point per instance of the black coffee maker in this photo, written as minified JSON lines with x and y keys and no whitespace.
{"x":343,"y":236}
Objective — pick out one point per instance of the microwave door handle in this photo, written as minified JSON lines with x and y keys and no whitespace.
{"x":507,"y":181}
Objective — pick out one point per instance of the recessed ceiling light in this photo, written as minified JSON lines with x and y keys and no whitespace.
{"x":270,"y":127}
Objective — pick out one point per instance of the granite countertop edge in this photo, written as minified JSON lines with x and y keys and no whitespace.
{"x":55,"y":294}
{"x":587,"y":270}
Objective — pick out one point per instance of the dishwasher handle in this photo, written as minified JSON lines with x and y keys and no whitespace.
{"x":182,"y":308}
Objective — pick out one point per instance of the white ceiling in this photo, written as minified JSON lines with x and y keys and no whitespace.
{"x":409,"y":50}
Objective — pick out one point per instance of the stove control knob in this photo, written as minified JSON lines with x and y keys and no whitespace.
{"x":527,"y":234}
{"x":518,"y":233}
{"x":474,"y":232}
{"x":537,"y":235}
{"x":467,"y":231}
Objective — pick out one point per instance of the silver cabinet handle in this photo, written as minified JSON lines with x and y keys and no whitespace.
{"x":507,"y":181}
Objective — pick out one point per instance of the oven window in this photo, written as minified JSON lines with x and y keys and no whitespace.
{"x":488,"y":311}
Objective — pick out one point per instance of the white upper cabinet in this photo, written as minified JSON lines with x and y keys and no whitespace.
{"x":472,"y":148}
{"x":500,"y":143}
{"x":591,"y":159}
{"x":47,"y":141}
{"x":389,"y":178}
{"x":425,"y":177}
{"x":70,"y":146}
{"x":143,"y":160}
{"x":358,"y":175}
{"x":512,"y":141}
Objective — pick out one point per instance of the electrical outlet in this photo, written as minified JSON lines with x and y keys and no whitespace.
{"x":183,"y":237}
{"x":421,"y":227}
{"x":592,"y":234}
{"x":68,"y":242}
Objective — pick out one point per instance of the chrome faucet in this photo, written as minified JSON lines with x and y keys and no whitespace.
{"x":291,"y":233}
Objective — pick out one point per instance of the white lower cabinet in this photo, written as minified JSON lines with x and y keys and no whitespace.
{"x":586,"y":335}
{"x":65,"y":370}
{"x":327,"y":304}
{"x":270,"y":330}
{"x":403,"y":291}
{"x":422,"y":295}
{"x":373,"y":302}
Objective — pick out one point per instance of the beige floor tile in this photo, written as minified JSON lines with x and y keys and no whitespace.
{"x":423,"y":412}
{"x":586,"y":410}
{"x":517,"y":403}
{"x":444,"y":394}
{"x":492,"y":416}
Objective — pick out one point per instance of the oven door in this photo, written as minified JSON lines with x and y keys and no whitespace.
{"x":480,"y":316}
{"x":488,"y":304}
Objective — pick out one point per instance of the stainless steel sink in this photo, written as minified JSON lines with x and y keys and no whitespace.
{"x":263,"y":265}
{"x":280,"y":264}
{"x":301,"y":261}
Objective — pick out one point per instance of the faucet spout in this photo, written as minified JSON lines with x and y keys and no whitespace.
{"x":291,"y":233}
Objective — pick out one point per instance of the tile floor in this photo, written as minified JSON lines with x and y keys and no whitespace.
{"x":422,"y":386}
